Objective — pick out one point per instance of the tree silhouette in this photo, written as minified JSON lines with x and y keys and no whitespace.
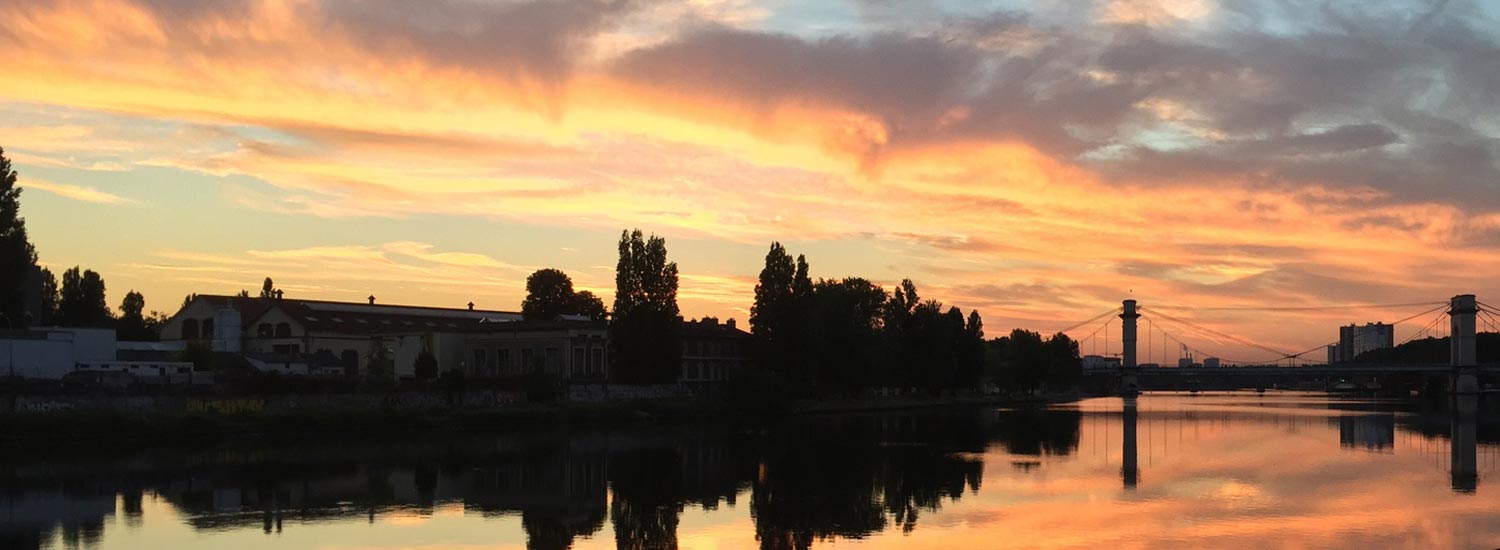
{"x":849,"y":317}
{"x":82,"y":300}
{"x":781,"y":317}
{"x":17,"y":255}
{"x":267,"y":288}
{"x":549,"y":293}
{"x":645,"y":330}
{"x":133,"y":324}
{"x":47,"y":306}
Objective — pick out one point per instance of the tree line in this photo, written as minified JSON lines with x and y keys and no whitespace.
{"x":30,"y":295}
{"x":842,"y":336}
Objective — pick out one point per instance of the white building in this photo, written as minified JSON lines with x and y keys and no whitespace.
{"x":51,"y":353}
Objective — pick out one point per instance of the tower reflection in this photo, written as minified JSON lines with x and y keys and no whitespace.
{"x":1129,"y":470}
{"x":1464,"y":463}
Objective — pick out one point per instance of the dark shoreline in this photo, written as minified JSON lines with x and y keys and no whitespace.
{"x":133,"y":430}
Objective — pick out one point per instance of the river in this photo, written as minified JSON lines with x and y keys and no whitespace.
{"x":1160,"y":471}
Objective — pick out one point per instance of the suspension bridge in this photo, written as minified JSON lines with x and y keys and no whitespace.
{"x":1464,"y":315}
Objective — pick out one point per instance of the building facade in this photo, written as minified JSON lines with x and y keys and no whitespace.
{"x":712,"y":351}
{"x":316,"y":337}
{"x":1357,"y":339}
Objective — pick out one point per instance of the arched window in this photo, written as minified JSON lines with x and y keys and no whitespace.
{"x":189,"y":329}
{"x":208,"y":329}
{"x":263,"y":330}
{"x":283,"y":330}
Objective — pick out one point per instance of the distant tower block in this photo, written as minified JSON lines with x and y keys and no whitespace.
{"x":1127,"y":334}
{"x":1462,"y":354}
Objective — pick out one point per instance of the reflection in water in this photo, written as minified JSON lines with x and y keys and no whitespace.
{"x":858,"y":478}
{"x":1130,"y":470}
{"x":1464,"y":447}
{"x":1369,"y":432}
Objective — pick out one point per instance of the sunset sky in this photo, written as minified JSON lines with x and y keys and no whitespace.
{"x":1039,"y":161}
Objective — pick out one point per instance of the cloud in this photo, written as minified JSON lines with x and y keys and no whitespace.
{"x":76,"y":192}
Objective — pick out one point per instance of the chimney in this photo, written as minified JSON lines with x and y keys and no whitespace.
{"x":729,"y":323}
{"x":471,"y":306}
{"x":372,"y":299}
{"x":278,"y":294}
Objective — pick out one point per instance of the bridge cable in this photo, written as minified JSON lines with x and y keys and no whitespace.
{"x":1294,"y":308}
{"x":1219,"y":334}
{"x":1431,"y":326}
{"x":1092,"y":319}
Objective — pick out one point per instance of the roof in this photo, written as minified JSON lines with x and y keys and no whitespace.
{"x":711,"y":329}
{"x":535,"y":326}
{"x":359,"y":318}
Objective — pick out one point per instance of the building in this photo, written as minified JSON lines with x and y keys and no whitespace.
{"x":53,"y":353}
{"x":573,"y":349}
{"x":712,"y":351}
{"x":1357,"y":339}
{"x":318,"y":337}
{"x":1211,"y":362}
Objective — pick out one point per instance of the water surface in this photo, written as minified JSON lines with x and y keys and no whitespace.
{"x":1166,"y":471}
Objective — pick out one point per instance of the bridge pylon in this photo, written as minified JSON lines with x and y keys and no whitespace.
{"x":1462,"y":354}
{"x":1129,"y":370}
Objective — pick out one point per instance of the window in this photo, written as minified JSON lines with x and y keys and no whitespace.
{"x":528,"y":360}
{"x":596,"y":361}
{"x":502,"y":361}
{"x":189,"y":329}
{"x":579,"y":366}
{"x":283,"y":330}
{"x":264,"y":330}
{"x":480,"y":358}
{"x":208,"y":329}
{"x":554,"y":360}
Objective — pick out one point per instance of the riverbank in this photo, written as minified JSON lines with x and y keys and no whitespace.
{"x":72,"y":428}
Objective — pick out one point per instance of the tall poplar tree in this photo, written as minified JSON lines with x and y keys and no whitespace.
{"x":645,"y":330}
{"x":17,"y":255}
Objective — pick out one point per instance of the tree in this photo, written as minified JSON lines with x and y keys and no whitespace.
{"x":17,"y":255}
{"x":379,"y":365}
{"x":200,"y":354}
{"x":81,"y":303}
{"x":849,"y":317}
{"x":133,"y":325}
{"x":646,"y":328}
{"x":48,"y":303}
{"x":971,"y":352}
{"x":549,"y":293}
{"x":769,"y":313}
{"x":587,"y":304}
{"x":426,"y":367}
{"x":781,"y":319}
{"x":267,"y":288}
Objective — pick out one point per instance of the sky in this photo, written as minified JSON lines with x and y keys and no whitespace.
{"x":1038,"y":161}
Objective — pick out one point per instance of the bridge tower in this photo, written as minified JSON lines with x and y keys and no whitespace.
{"x":1462,"y":353}
{"x":1129,"y":371}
